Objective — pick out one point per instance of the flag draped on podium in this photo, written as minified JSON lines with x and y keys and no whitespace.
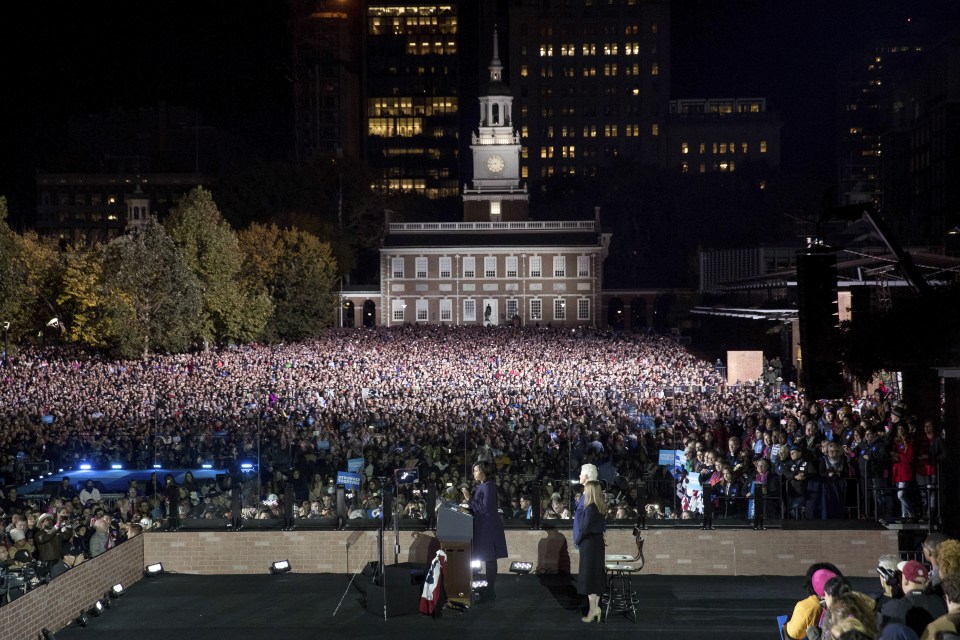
{"x":433,"y":584}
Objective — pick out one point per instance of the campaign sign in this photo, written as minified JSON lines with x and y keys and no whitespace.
{"x":348,"y":479}
{"x":667,"y":457}
{"x":354,"y":464}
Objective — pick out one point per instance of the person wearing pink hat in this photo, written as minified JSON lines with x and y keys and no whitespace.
{"x":807,"y":612}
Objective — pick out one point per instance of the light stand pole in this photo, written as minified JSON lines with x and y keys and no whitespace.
{"x":6,"y":355}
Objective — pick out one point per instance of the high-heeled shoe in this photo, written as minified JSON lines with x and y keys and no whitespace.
{"x":592,"y":615}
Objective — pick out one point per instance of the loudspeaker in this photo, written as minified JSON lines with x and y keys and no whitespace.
{"x":821,"y":376}
{"x":398,"y":588}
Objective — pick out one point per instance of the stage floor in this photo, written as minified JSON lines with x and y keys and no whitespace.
{"x":310,"y":606}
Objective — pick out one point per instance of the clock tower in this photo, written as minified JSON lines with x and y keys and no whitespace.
{"x":497,"y":193}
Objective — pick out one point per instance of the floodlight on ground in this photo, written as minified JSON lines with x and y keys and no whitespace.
{"x":476,"y":565}
{"x":153,"y":569}
{"x":116,"y":590}
{"x":82,"y":619}
{"x":479,"y":584}
{"x":85,"y":466}
{"x":280,"y":567}
{"x":97,"y":608}
{"x":521,"y":567}
{"x":116,"y":466}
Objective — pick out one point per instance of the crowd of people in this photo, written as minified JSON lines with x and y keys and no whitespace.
{"x":915,"y":599}
{"x":536,"y":403}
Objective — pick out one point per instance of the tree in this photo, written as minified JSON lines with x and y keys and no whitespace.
{"x":155,"y":300}
{"x":300,"y":274}
{"x":210,"y":247}
{"x":82,"y":297}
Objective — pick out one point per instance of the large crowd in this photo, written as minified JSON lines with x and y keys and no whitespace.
{"x":670,"y":435}
{"x":538,"y":402}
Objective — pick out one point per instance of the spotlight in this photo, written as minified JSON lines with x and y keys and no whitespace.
{"x":116,"y":590}
{"x":97,"y":608}
{"x":46,"y":634}
{"x":85,"y":466}
{"x":479,"y":584}
{"x":82,"y":619}
{"x":116,"y":466}
{"x":280,"y":567}
{"x":153,"y":570}
{"x":521,"y":568}
{"x":475,"y":565}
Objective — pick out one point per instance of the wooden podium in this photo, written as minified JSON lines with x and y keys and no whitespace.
{"x":455,"y":533}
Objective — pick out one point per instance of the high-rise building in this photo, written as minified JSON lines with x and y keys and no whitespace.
{"x":592,"y":81}
{"x":326,"y":77}
{"x":720,"y":135}
{"x":868,"y":107}
{"x":410,"y":97}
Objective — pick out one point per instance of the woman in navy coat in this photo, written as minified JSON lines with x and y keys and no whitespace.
{"x":489,"y":540}
{"x":589,"y":527}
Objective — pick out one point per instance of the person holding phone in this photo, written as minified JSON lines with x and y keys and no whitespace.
{"x":489,"y":539}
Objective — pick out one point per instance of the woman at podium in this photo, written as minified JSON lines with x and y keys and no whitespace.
{"x":489,"y":540}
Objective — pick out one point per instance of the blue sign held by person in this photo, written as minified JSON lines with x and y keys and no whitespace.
{"x":348,"y":479}
{"x":354,"y":464}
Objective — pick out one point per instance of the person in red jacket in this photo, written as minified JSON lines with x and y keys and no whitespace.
{"x":902,"y":468}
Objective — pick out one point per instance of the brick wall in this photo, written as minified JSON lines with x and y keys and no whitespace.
{"x":667,"y":551}
{"x":58,"y":603}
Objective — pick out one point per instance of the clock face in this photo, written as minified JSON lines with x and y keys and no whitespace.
{"x":495,"y":164}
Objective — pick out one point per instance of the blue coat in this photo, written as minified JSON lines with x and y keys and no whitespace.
{"x":489,"y":540}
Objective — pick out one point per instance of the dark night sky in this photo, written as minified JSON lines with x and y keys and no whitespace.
{"x":229,"y":60}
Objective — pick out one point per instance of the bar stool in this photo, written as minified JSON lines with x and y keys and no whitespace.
{"x":620,"y":596}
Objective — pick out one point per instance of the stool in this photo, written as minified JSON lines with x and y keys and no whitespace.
{"x":620,"y":596}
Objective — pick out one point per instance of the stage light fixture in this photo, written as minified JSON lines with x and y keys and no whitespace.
{"x":116,"y":590}
{"x":153,"y":569}
{"x":280,"y":567}
{"x":521,"y":568}
{"x":116,"y":466}
{"x":82,"y":619}
{"x":476,"y":565}
{"x":97,"y":608}
{"x":46,"y":634}
{"x":479,"y":584}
